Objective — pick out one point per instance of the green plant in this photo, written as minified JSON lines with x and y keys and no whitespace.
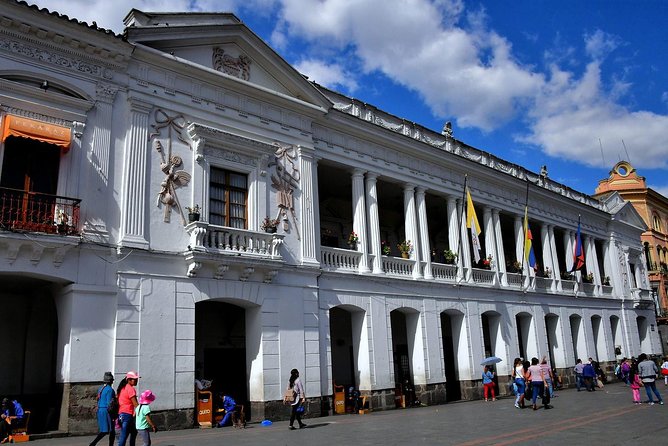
{"x":353,"y":238}
{"x":605,"y":280}
{"x":449,"y":257}
{"x":385,"y":248}
{"x":589,"y":278}
{"x":565,"y":275}
{"x":193,"y":210}
{"x":405,"y":247}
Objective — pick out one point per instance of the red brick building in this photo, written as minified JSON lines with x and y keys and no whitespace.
{"x":653,"y":207}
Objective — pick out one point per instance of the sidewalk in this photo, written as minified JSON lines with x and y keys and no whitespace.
{"x":606,"y":417}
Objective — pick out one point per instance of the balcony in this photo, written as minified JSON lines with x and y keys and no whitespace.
{"x":36,"y":212}
{"x":226,"y":252}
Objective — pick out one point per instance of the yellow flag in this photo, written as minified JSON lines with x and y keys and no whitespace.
{"x":473,"y":225}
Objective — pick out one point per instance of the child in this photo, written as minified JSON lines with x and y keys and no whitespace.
{"x":636,"y":383}
{"x":142,"y":418}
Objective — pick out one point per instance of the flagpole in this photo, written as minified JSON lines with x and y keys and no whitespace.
{"x":525,"y":228}
{"x":459,"y":231}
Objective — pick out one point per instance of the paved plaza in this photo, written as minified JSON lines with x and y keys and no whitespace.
{"x":604,"y":417}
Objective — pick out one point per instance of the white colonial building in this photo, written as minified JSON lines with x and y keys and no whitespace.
{"x":108,"y":140}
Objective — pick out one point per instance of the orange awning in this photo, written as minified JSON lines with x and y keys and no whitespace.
{"x":42,"y":131}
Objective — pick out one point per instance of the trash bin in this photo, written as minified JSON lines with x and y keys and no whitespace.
{"x":204,"y":408}
{"x":339,"y":399}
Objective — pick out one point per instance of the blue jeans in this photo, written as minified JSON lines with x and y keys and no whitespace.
{"x":536,"y":390}
{"x":651,"y":387}
{"x":128,"y":429}
{"x":579,"y":381}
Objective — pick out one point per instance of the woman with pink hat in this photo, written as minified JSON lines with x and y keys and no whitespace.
{"x":142,"y":417}
{"x":127,"y":401}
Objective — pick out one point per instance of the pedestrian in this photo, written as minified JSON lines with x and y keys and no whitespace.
{"x":648,"y":370}
{"x":488,"y":382}
{"x":519,"y":383}
{"x":549,"y":378}
{"x":127,"y":402}
{"x":229,"y":405}
{"x":664,"y":371}
{"x":579,"y":378}
{"x":626,"y":371}
{"x":589,"y":376}
{"x":635,"y":384}
{"x":11,"y":417}
{"x":537,"y":382}
{"x":299,"y":398}
{"x":143,"y":422}
{"x":107,"y":410}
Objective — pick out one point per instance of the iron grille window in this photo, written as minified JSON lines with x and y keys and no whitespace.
{"x":228,"y":198}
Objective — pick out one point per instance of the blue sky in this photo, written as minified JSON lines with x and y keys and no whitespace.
{"x":575,"y":85}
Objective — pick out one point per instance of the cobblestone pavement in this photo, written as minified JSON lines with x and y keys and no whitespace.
{"x":604,"y":417}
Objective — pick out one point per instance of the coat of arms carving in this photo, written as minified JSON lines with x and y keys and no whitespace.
{"x":234,"y":66}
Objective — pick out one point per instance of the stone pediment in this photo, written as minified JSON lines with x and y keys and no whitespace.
{"x":221,"y":42}
{"x":622,"y":210}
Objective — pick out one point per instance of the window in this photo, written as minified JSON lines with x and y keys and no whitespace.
{"x":228,"y":198}
{"x":656,"y":222}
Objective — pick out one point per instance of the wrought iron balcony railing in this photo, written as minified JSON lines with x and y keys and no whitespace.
{"x":36,"y":212}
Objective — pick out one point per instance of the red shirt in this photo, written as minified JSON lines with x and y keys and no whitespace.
{"x":125,"y":399}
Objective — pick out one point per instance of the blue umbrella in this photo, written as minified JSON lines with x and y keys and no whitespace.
{"x":491,"y":360}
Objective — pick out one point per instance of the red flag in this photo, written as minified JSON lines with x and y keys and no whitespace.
{"x":578,"y":254}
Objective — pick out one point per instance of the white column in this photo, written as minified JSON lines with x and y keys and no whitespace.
{"x":411,"y":226}
{"x":425,"y":251}
{"x":359,"y":219}
{"x":374,"y":221}
{"x":556,"y":271}
{"x":135,"y":173}
{"x":568,"y":248}
{"x":546,"y":246}
{"x":309,"y":206}
{"x":490,"y":239}
{"x":501,"y":256}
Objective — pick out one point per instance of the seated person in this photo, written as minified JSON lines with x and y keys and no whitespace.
{"x":228,"y":404}
{"x":11,"y":416}
{"x":354,"y":401}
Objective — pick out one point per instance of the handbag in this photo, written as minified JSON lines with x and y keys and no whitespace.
{"x":664,"y":372}
{"x":289,"y":396}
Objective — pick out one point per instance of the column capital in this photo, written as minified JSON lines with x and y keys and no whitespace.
{"x":357,"y":172}
{"x":409,"y":187}
{"x":372,"y":176}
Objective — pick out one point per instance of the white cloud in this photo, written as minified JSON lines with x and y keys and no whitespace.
{"x":110,"y":14}
{"x":328,"y":75}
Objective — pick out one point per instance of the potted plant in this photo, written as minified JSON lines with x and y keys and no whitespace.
{"x":486,"y":263}
{"x":514,"y":267}
{"x":270,"y":224}
{"x":385,"y":248}
{"x":589,"y":278}
{"x":193,"y":213}
{"x":405,"y":248}
{"x":605,"y":280}
{"x":449,"y":257}
{"x":565,"y":275}
{"x":547,"y":272}
{"x":62,"y":218}
{"x":352,"y":240}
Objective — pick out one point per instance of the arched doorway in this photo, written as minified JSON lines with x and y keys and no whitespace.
{"x":404,"y":323}
{"x":220,"y":349}
{"x":345,"y":329}
{"x":577,"y":335}
{"x":555,"y":348}
{"x":599,"y":339}
{"x":643,"y":334}
{"x":525,"y":341}
{"x":29,"y":351}
{"x":615,"y":328}
{"x":454,"y":349}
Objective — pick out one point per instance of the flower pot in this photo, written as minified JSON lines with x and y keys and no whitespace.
{"x":62,"y":228}
{"x":404,"y":255}
{"x":353,"y":246}
{"x":193,"y":216}
{"x":270,"y":230}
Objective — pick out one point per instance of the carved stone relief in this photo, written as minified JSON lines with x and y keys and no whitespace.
{"x":285,"y":180}
{"x":174,"y":178}
{"x":234,"y":66}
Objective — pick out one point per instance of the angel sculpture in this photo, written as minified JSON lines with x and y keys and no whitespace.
{"x":174,"y":178}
